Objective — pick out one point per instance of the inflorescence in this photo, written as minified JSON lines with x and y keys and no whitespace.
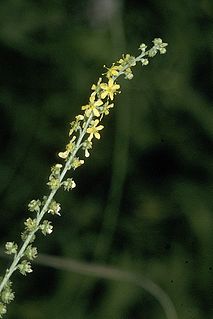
{"x":83,"y":130}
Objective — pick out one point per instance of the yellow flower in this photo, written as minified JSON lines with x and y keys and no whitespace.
{"x":106,"y":108}
{"x":76,"y":162}
{"x":75,"y":124}
{"x":87,"y":145}
{"x":109,"y":89}
{"x":113,"y":71}
{"x":93,"y":130}
{"x":69,"y":147}
{"x":124,"y":59}
{"x":95,"y":87}
{"x":127,"y":60}
{"x":92,"y":106}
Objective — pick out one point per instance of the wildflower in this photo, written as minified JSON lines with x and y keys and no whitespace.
{"x":11,"y":248}
{"x":75,"y":124}
{"x":64,"y":154}
{"x":25,"y":234}
{"x":106,"y":107}
{"x":92,"y":106}
{"x":34,"y":205}
{"x":25,"y":267}
{"x":93,"y":130}
{"x":152,"y":52}
{"x":31,"y":224}
{"x":109,"y":89}
{"x":76,"y":163}
{"x":144,"y":61}
{"x":56,"y":169}
{"x":143,"y":47}
{"x":3,"y":309}
{"x":54,"y":208}
{"x":128,"y":74}
{"x":7,"y":294}
{"x":85,"y":124}
{"x":69,"y":184}
{"x":54,"y":183}
{"x":31,"y":252}
{"x":113,"y":71}
{"x":87,"y":145}
{"x":127,"y":60}
{"x":46,"y":227}
{"x":96,"y":87}
{"x":70,"y":146}
{"x":159,"y":45}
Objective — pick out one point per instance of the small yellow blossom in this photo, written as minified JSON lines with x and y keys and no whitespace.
{"x":69,"y":148}
{"x":76,"y":162}
{"x":63,"y":154}
{"x":69,"y":184}
{"x":75,"y":124}
{"x":113,"y":71}
{"x":54,"y":183}
{"x":127,"y":60}
{"x":11,"y":248}
{"x":96,"y":88}
{"x":30,"y":224}
{"x":128,"y":74}
{"x":93,"y":130}
{"x":159,"y":45}
{"x":142,"y":47}
{"x":124,"y":59}
{"x":92,"y":106}
{"x":109,"y":89}
{"x":106,"y":107}
{"x":87,"y":145}
{"x":56,"y":169}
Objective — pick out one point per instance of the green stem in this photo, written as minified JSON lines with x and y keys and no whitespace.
{"x":40,"y":216}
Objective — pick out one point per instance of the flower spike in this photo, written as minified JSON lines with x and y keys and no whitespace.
{"x":83,"y":130}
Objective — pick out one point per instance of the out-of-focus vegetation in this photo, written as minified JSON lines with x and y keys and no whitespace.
{"x":143,"y":200}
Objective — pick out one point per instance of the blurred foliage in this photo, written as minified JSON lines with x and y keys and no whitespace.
{"x":143,"y":201}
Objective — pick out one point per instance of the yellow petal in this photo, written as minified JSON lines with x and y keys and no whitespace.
{"x":90,"y":137}
{"x":87,"y":113}
{"x":111,"y":96}
{"x":95,"y":122}
{"x":96,"y":112}
{"x":63,"y":154}
{"x":98,"y":103}
{"x":110,"y":83}
{"x":84,"y":107}
{"x":116,"y":86}
{"x":92,"y":98}
{"x":103,"y":86}
{"x":89,"y":130}
{"x":104,"y":94}
{"x":97,"y":135}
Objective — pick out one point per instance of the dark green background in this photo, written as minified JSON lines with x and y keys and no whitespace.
{"x":143,"y":200}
